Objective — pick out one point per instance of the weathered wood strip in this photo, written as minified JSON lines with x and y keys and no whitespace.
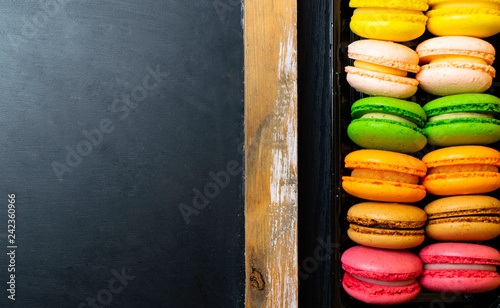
{"x":271,"y":153}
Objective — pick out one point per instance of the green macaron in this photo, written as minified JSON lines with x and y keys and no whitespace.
{"x":463,"y":119}
{"x":385,"y":123}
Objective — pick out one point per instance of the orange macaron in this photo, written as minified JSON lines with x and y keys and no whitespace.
{"x":462,"y":170}
{"x":386,"y":176}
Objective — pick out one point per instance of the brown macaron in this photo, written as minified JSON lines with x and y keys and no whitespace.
{"x":386,"y":225}
{"x":463,"y":218}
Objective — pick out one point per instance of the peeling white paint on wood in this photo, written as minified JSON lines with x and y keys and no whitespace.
{"x":283,"y":182}
{"x":271,"y":155}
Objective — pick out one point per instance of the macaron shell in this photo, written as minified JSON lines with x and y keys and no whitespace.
{"x":379,"y":84}
{"x":418,"y":5}
{"x":386,"y":191}
{"x":393,"y":106}
{"x":462,"y":155}
{"x":376,"y":294}
{"x":449,"y":78}
{"x":391,"y":27}
{"x":455,"y":46}
{"x":462,"y":281}
{"x":381,"y":264}
{"x":396,"y":215}
{"x":461,"y":183}
{"x":386,"y":161}
{"x":385,"y":238}
{"x":464,"y":229}
{"x":385,"y":53}
{"x":470,"y":102}
{"x":450,"y":252}
{"x":474,"y":22}
{"x":386,"y":135}
{"x":463,"y":131}
{"x":453,"y":206}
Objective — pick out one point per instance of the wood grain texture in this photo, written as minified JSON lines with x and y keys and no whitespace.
{"x":271,"y":153}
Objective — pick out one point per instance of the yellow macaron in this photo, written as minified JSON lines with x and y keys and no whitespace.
{"x":467,"y":17}
{"x":391,"y":20}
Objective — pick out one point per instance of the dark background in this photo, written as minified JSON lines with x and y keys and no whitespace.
{"x":315,"y":140}
{"x":65,"y":68}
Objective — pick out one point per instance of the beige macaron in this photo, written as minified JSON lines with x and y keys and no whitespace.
{"x":386,"y":225}
{"x":455,"y":65}
{"x":381,"y":68}
{"x":463,"y":218}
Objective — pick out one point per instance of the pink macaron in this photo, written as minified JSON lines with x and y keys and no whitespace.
{"x":381,"y":276}
{"x":459,"y":267}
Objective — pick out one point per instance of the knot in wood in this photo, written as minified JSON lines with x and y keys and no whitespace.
{"x":256,"y":280}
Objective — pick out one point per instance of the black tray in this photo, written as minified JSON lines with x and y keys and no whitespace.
{"x":342,"y":97}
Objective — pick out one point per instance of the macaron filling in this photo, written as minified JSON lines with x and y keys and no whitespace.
{"x":466,"y":4}
{"x":462,"y":168}
{"x":391,"y":176}
{"x":457,"y":115}
{"x":454,"y":266}
{"x":386,"y":224}
{"x":428,"y":55}
{"x":384,"y":229}
{"x":453,"y":58}
{"x":402,"y":283}
{"x":379,"y":68}
{"x":466,"y":65}
{"x":385,"y":116}
{"x":481,"y":218}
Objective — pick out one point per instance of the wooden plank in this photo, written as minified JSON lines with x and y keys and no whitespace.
{"x":271,"y":153}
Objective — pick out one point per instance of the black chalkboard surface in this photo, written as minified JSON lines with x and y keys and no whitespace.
{"x":121,"y":153}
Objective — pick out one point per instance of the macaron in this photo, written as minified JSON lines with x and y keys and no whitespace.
{"x":470,"y":18}
{"x":459,"y":267}
{"x":462,"y":170}
{"x":397,"y":21}
{"x":463,"y":119}
{"x":387,"y":123}
{"x":386,"y":225}
{"x":381,"y":68}
{"x":469,"y":218}
{"x":381,"y":276}
{"x":455,"y":65}
{"x":385,"y":176}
